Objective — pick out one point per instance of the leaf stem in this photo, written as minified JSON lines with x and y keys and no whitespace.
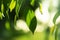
{"x":56,"y":32}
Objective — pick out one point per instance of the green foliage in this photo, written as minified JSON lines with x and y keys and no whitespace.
{"x":31,"y":20}
{"x":12,"y":10}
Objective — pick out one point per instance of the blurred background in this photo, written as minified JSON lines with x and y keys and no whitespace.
{"x":45,"y":27}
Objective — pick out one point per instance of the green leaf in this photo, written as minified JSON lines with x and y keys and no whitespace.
{"x":31,"y":20}
{"x":12,"y":5}
{"x":33,"y":24}
{"x":18,"y":6}
{"x":2,"y":7}
{"x":56,"y":16}
{"x":40,"y":8}
{"x":29,"y":17}
{"x":7,"y":25}
{"x":0,"y":15}
{"x":32,"y":2}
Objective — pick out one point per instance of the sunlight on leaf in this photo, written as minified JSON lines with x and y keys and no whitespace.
{"x":41,"y":8}
{"x":52,"y":29}
{"x":31,"y":20}
{"x":29,"y":17}
{"x":32,"y":2}
{"x":0,"y":15}
{"x":12,"y":5}
{"x":2,"y":8}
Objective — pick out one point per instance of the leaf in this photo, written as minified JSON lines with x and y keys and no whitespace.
{"x":40,"y":8}
{"x":29,"y":17}
{"x":32,"y":2}
{"x":0,"y":15}
{"x":12,"y":5}
{"x":31,"y":20}
{"x":7,"y":25}
{"x":33,"y":24}
{"x":2,"y":7}
{"x":18,"y":5}
{"x":55,"y":17}
{"x":52,"y":29}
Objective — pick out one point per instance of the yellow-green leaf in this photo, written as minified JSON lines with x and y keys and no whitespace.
{"x":52,"y":30}
{"x":0,"y":15}
{"x":29,"y":17}
{"x":40,"y":8}
{"x":32,"y":2}
{"x":7,"y":25}
{"x":2,"y":8}
{"x":12,"y":5}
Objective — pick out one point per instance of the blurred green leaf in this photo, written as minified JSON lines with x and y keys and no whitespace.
{"x":32,"y":2}
{"x":56,"y":16}
{"x":2,"y":7}
{"x":0,"y":15}
{"x":12,"y":5}
{"x":40,"y":8}
{"x":18,"y":5}
{"x":31,"y":20}
{"x":7,"y":25}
